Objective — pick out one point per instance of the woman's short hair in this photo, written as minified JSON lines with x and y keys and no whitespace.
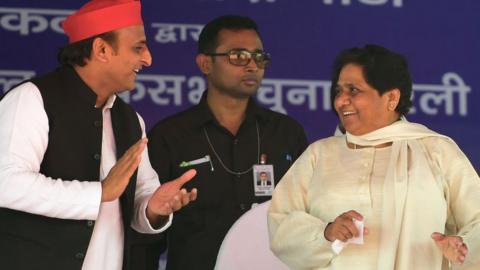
{"x":383,"y":69}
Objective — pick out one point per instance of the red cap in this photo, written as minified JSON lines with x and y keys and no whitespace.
{"x":101,"y":16}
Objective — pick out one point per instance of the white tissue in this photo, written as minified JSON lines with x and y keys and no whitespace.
{"x":338,"y":246}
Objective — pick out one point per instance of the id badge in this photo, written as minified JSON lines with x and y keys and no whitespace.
{"x":263,"y":180}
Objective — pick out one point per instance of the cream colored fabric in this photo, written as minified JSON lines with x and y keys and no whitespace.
{"x":405,"y":146}
{"x":432,"y":188}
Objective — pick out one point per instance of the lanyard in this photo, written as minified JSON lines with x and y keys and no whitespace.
{"x":221,"y":161}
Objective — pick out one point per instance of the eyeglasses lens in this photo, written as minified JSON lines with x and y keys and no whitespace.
{"x":243,"y":58}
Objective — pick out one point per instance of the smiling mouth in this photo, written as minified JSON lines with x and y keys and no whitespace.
{"x":348,"y":113}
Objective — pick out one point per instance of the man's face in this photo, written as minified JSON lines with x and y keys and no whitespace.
{"x":236,"y":81}
{"x":263,"y":176}
{"x":130,"y":56}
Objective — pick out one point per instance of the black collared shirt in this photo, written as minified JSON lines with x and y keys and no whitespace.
{"x":199,"y":228}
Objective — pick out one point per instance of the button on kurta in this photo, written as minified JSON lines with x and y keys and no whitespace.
{"x":363,"y":190}
{"x":97,"y":156}
{"x":79,"y":256}
{"x":97,"y":123}
{"x":90,"y":223}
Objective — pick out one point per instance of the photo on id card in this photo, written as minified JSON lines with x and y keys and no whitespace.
{"x":263,"y":180}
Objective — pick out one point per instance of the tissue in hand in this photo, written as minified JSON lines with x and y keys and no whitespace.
{"x":338,"y":246}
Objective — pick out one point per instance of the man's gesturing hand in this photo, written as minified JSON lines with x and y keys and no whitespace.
{"x":119,"y":176}
{"x":170,"y":197}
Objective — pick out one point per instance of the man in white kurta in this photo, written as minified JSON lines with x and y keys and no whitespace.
{"x":20,"y":163}
{"x":48,"y":127}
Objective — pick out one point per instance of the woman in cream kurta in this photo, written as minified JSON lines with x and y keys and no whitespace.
{"x":405,"y":180}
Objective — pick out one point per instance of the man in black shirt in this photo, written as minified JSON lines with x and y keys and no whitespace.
{"x":227,"y":138}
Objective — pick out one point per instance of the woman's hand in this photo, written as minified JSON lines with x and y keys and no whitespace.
{"x":452,"y":247}
{"x":343,"y":227}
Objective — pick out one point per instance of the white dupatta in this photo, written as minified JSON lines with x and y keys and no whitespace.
{"x":406,"y":152}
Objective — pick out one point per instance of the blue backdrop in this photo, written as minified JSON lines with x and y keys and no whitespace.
{"x":440,"y":38}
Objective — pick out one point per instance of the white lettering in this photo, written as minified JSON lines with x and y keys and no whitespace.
{"x":438,"y":94}
{"x":26,"y":20}
{"x":395,"y":3}
{"x":10,"y":78}
{"x":197,"y":86}
{"x":173,"y":33}
{"x":298,"y":92}
{"x":281,"y":94}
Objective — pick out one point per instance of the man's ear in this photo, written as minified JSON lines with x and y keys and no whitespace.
{"x":101,"y":50}
{"x":204,"y":63}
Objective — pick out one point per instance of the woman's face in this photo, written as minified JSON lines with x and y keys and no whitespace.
{"x":360,"y":107}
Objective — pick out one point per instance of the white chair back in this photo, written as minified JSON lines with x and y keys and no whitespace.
{"x":246,"y":245}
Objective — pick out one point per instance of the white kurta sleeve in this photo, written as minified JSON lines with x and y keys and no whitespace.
{"x":296,"y":236}
{"x":147,"y":183}
{"x":23,"y":142}
{"x":463,"y":196}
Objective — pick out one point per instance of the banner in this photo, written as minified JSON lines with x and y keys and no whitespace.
{"x":440,"y":39}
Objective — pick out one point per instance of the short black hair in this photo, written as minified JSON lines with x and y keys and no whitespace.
{"x":208,"y":39}
{"x":383,"y":69}
{"x":76,"y":53}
